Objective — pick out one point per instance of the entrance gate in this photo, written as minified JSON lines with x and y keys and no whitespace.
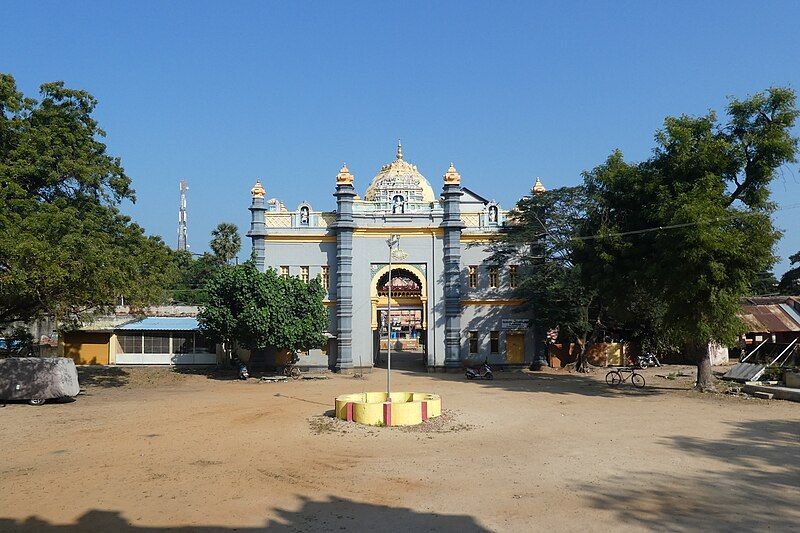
{"x":409,"y":324}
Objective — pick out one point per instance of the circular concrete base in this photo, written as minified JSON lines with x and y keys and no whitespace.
{"x":381,"y":409}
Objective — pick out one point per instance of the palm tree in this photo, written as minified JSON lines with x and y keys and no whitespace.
{"x":225,"y":241}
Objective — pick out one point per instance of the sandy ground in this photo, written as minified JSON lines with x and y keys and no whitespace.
{"x":147,"y":449}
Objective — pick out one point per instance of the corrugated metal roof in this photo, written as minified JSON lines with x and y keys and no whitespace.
{"x":162,"y":323}
{"x":773,"y":317}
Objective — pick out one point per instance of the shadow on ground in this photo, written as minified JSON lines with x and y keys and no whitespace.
{"x":760,"y":489}
{"x":221,"y":372}
{"x":560,"y":382}
{"x":102,"y":376}
{"x":333,"y":514}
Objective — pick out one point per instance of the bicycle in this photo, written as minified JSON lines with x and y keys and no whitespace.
{"x":289,"y":369}
{"x":615,"y":377}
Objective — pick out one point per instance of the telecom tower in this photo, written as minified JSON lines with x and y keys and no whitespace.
{"x":182,"y":218}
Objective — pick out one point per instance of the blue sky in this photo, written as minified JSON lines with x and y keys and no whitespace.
{"x":222,"y":93}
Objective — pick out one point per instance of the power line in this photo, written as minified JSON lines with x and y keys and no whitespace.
{"x":676,"y":226}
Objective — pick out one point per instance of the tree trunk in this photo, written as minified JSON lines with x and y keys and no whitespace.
{"x":704,"y":378}
{"x":581,"y":360}
{"x":227,"y":347}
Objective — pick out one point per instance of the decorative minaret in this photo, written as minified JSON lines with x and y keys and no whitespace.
{"x":182,"y":246}
{"x":257,"y":226}
{"x":344,"y":226}
{"x":538,"y":188}
{"x":452,"y":226}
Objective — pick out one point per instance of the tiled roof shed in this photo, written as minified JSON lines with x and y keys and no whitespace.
{"x":770,"y":315}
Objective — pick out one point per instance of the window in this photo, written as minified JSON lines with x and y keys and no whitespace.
{"x":130,"y":342}
{"x":326,"y":277}
{"x":284,"y":271}
{"x":201,"y":344}
{"x":494,"y":277}
{"x":494,"y":342}
{"x":304,"y":273}
{"x":512,"y":276}
{"x":473,"y":276}
{"x":156,"y":343}
{"x":473,"y":342}
{"x":183,"y":342}
{"x":304,"y":216}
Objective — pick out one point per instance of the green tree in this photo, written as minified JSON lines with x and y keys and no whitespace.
{"x":544,"y":240}
{"x":225,"y":241}
{"x":790,"y":281}
{"x":65,"y":248}
{"x":764,"y":284}
{"x":257,"y":310}
{"x":193,"y":273}
{"x":691,"y":226}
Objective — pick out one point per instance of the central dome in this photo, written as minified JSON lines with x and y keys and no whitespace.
{"x":400,"y":179}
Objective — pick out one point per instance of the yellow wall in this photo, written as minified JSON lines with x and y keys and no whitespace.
{"x":87,"y":348}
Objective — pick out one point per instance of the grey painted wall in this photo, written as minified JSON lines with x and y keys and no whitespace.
{"x":367,"y":250}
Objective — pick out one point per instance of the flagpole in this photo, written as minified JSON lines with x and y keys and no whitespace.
{"x":392,"y":242}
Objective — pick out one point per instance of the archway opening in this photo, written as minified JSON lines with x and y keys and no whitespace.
{"x":407,"y":329}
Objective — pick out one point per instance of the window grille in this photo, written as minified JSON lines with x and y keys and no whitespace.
{"x":326,"y":277}
{"x":473,"y":342}
{"x":494,"y":342}
{"x":156,"y":343}
{"x":494,"y":277}
{"x":130,"y":342}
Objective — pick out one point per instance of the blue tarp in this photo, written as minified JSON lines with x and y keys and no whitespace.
{"x":162,"y":323}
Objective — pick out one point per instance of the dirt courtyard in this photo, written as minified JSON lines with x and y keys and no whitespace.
{"x":152,"y":449}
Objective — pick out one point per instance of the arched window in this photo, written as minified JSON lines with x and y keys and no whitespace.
{"x":398,"y":204}
{"x":304,"y":216}
{"x":404,"y":283}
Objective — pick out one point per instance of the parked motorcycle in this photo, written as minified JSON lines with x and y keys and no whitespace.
{"x":482,"y":371}
{"x":243,"y":372}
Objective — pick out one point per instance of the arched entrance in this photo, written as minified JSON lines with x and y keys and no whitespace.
{"x":409,"y":320}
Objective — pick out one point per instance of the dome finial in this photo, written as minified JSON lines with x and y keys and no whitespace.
{"x":258,"y":190}
{"x":399,"y":149}
{"x":452,"y":177}
{"x":538,"y":188}
{"x":344,"y":177}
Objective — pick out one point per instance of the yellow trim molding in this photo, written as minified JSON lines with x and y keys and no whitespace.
{"x":299,"y":237}
{"x":385,"y":232}
{"x":498,"y":302}
{"x":479,"y":237}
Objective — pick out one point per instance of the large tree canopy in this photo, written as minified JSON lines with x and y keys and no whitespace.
{"x":257,"y":310}
{"x":691,"y":226}
{"x":64,"y":246}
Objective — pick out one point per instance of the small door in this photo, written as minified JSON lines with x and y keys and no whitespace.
{"x":515,"y":348}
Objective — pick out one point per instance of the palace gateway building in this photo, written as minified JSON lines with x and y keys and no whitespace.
{"x":449,"y":303}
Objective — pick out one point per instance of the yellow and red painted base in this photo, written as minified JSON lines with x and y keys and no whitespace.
{"x":382,"y":409}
